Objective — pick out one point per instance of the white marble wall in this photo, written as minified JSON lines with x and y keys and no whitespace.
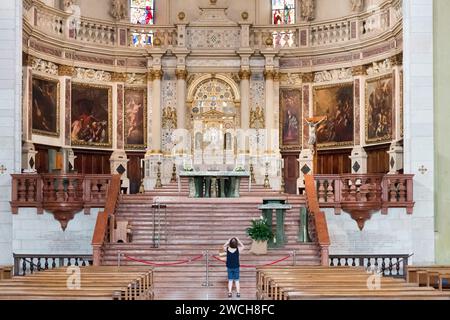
{"x":391,"y":234}
{"x":10,"y":123}
{"x":419,"y":115}
{"x":42,"y":234}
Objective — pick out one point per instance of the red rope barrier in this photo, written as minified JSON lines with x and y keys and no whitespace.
{"x":150,"y":263}
{"x":255,"y":266}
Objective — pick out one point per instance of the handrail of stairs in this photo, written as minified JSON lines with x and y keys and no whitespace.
{"x":105,"y":223}
{"x":318,"y":219}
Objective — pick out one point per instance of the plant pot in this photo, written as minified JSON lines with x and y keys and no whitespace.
{"x":259,"y":247}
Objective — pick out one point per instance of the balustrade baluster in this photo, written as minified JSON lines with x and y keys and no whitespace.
{"x":331,"y":262}
{"x":24,"y":267}
{"x":22,"y":190}
{"x":383,"y":266}
{"x":31,"y":265}
{"x":354,"y":262}
{"x":46,"y":264}
{"x":54,"y":263}
{"x":330,"y":191}
{"x":401,"y":190}
{"x":321,"y":191}
{"x":390,"y":266}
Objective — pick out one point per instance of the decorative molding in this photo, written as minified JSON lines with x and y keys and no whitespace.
{"x":307,"y":77}
{"x":92,"y":75}
{"x":333,"y":75}
{"x":269,"y":74}
{"x":44,"y":66}
{"x":135,"y":79}
{"x":157,"y":74}
{"x":291,"y":79}
{"x":66,"y":71}
{"x":118,"y":77}
{"x":359,"y":71}
{"x":380,"y":67}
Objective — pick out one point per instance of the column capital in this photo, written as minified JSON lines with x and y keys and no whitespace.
{"x":397,"y":60}
{"x":269,"y":74}
{"x":118,"y":77}
{"x":245,"y":74}
{"x":359,"y":70}
{"x":307,"y":77}
{"x":157,"y":74}
{"x":276,"y":76}
{"x":65,"y":71}
{"x":181,"y":74}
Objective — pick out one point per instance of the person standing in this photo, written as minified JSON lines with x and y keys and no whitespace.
{"x":233,"y":247}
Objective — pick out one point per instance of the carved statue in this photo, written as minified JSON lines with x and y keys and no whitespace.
{"x":119,"y":9}
{"x":307,"y":9}
{"x":169,"y":118}
{"x":313,"y":124}
{"x":357,"y":5}
{"x":257,"y":118}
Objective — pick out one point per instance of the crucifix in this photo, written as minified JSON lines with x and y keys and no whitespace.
{"x":3,"y":169}
{"x":313,"y":123}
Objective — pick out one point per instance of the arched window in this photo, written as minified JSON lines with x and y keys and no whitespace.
{"x":283,"y":11}
{"x":142,"y":11}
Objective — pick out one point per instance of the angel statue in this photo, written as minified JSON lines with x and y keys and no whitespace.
{"x":119,"y":9}
{"x":307,"y":9}
{"x":356,"y":5}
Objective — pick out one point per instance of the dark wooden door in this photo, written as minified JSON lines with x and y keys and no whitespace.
{"x":378,"y":158}
{"x":291,"y":172}
{"x":92,"y":161}
{"x":334,"y":161}
{"x":134,"y":171}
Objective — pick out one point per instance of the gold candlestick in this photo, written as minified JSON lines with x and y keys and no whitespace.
{"x":158,"y":184}
{"x":266,"y":177}
{"x":174,"y":174}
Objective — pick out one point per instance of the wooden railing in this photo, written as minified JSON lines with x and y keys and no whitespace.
{"x":106,"y":222}
{"x":25,"y":264}
{"x":389,"y":265}
{"x":363,"y":194}
{"x":50,"y":190}
{"x":317,"y":222}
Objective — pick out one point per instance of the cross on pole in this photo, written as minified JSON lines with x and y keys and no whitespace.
{"x":3,"y":169}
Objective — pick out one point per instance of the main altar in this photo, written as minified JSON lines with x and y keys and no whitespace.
{"x":214,"y":184}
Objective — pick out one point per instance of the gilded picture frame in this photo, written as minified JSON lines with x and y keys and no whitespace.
{"x":128,"y":116}
{"x":379,"y":109}
{"x":89,"y":102}
{"x":38,"y":101}
{"x":336,"y":103}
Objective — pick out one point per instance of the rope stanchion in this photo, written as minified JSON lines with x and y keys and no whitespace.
{"x":156,"y":264}
{"x":255,"y":266}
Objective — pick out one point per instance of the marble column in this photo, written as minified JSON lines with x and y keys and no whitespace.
{"x":269,"y":113}
{"x":156,"y":110}
{"x":358,"y":156}
{"x":181,"y":98}
{"x":245,"y":75}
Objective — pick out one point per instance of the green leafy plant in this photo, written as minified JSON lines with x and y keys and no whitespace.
{"x":260,"y":230}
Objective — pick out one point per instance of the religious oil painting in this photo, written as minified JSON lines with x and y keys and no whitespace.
{"x":379,"y":109}
{"x":135,"y":118}
{"x":91,"y":115}
{"x":290,"y":120}
{"x":45,"y":106}
{"x":335,"y":102}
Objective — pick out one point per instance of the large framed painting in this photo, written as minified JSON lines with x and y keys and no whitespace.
{"x":379,"y":109}
{"x":135,"y":116}
{"x":336,"y":103}
{"x":290,"y":118}
{"x":45,"y":106}
{"x":91,"y":115}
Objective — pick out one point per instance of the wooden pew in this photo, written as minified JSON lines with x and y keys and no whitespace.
{"x":280,"y":283}
{"x":98,"y":283}
{"x":6,"y":272}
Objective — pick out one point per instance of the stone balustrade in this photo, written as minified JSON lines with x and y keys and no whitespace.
{"x":305,"y":35}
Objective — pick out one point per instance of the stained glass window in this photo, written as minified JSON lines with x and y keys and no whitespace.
{"x":283,"y":11}
{"x":142,"y":12}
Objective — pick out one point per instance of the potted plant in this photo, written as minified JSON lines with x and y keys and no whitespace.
{"x":260,"y":232}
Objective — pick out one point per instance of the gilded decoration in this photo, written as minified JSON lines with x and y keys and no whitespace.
{"x":181,"y":74}
{"x":66,"y":71}
{"x":257,"y":119}
{"x":44,"y":66}
{"x":118,"y":77}
{"x":307,"y":77}
{"x":169,"y":118}
{"x":136,"y":79}
{"x":245,"y":74}
{"x":92,"y":75}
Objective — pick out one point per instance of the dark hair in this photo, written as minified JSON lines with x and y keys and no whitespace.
{"x":233,"y":243}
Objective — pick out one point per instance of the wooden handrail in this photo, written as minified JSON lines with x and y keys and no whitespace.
{"x":105,"y":220}
{"x":320,"y":221}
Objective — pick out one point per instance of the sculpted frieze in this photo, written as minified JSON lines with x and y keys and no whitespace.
{"x":333,"y":75}
{"x":379,"y":67}
{"x":41,"y":65}
{"x":92,"y":75}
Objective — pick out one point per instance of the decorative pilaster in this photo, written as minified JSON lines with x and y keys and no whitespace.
{"x":359,"y":73}
{"x":395,"y":158}
{"x":66,"y":73}
{"x":397,"y":69}
{"x":359,"y":160}
{"x":28,"y":158}
{"x":27,"y":87}
{"x":156,"y":109}
{"x":269,"y":76}
{"x":119,"y":80}
{"x":119,"y":165}
{"x":181,"y":75}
